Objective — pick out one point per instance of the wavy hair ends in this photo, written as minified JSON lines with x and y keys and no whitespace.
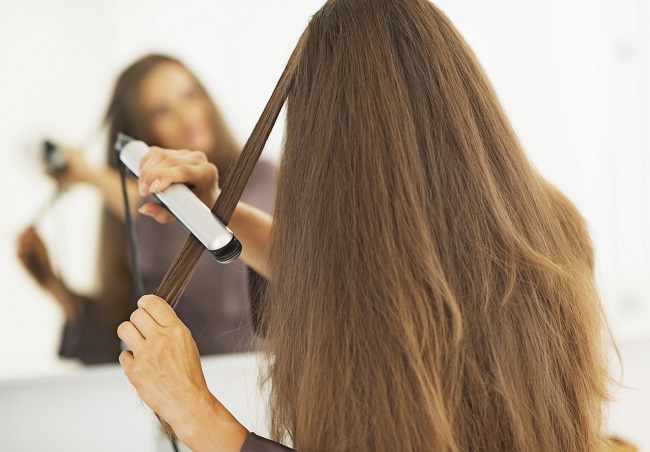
{"x":430,"y":290}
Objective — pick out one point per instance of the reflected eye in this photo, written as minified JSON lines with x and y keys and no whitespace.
{"x":193,"y":93}
{"x":159,"y":113}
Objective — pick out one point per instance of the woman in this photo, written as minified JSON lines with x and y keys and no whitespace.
{"x":429,"y":289}
{"x":156,"y":99}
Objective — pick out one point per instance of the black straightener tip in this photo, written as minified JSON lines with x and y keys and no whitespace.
{"x":48,"y":147}
{"x":121,"y":141}
{"x":228,"y":253}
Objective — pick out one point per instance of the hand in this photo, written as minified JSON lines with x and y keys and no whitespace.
{"x":159,"y":168}
{"x":164,"y":367}
{"x":77,"y":169}
{"x":33,"y":254}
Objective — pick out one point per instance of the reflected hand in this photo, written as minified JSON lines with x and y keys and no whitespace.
{"x":163,"y":365}
{"x":77,"y":169}
{"x":159,"y":168}
{"x":33,"y":254}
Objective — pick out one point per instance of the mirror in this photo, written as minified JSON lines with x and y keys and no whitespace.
{"x":56,"y":83}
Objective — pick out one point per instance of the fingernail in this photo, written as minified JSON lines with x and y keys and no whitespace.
{"x":154,"y":186}
{"x":144,"y":209}
{"x":141,"y":188}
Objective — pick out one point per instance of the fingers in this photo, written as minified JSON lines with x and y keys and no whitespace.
{"x":159,"y":310}
{"x":33,"y":255}
{"x":166,"y":370}
{"x":24,"y":244}
{"x":144,"y":323}
{"x":27,"y":238}
{"x":29,"y":243}
{"x":130,"y":336}
{"x":28,"y":233}
{"x":159,"y":168}
{"x":26,"y":253}
{"x":157,"y":212}
{"x":153,"y":314}
{"x":126,"y":359}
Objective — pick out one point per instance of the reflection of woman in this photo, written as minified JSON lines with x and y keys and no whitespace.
{"x":430,"y":291}
{"x":157,"y":100}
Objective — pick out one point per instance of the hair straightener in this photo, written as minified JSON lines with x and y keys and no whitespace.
{"x":188,"y":209}
{"x":55,"y":165}
{"x":54,"y":159}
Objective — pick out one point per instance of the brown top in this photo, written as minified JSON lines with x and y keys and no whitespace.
{"x":256,"y":443}
{"x":216,"y":305}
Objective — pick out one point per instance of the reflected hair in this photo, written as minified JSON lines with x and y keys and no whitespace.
{"x":430,"y":290}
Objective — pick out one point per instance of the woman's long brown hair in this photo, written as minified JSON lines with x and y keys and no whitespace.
{"x":431,"y":291}
{"x":125,"y":114}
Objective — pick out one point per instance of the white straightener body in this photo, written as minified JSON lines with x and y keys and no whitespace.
{"x":188,"y":209}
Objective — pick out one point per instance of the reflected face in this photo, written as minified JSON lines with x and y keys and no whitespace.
{"x":177,"y":112}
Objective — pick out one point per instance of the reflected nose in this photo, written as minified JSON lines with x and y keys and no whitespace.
{"x":190,"y":114}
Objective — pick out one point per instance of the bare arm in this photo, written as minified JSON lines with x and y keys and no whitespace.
{"x":106,"y":180}
{"x":253,"y":229}
{"x":34,"y":256}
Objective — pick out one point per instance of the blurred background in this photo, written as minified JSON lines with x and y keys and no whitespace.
{"x":573,"y":76}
